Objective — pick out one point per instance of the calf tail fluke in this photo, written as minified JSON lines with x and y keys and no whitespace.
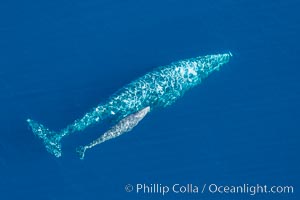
{"x":50,"y":139}
{"x":81,"y":151}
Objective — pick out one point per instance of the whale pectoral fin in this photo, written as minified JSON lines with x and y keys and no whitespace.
{"x":123,"y":126}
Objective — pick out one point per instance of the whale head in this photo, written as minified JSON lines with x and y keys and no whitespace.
{"x":210,"y":63}
{"x":195,"y":69}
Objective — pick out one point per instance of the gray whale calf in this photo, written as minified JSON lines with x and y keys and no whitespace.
{"x":123,"y":126}
{"x":156,"y":89}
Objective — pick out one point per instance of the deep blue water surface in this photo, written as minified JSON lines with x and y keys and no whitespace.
{"x":58,"y":59}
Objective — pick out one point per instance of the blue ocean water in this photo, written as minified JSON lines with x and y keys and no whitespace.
{"x":58,"y":59}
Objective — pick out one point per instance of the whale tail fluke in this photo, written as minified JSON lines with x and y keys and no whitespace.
{"x":51,"y":139}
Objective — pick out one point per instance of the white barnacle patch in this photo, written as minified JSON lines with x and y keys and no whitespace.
{"x":192,"y":71}
{"x":159,"y":89}
{"x":125,"y":101}
{"x":182,"y":71}
{"x":194,"y":64}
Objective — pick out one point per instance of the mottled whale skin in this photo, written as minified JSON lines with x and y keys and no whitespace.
{"x":158,"y":88}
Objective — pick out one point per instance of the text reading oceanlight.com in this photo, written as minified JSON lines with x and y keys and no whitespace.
{"x":161,"y":189}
